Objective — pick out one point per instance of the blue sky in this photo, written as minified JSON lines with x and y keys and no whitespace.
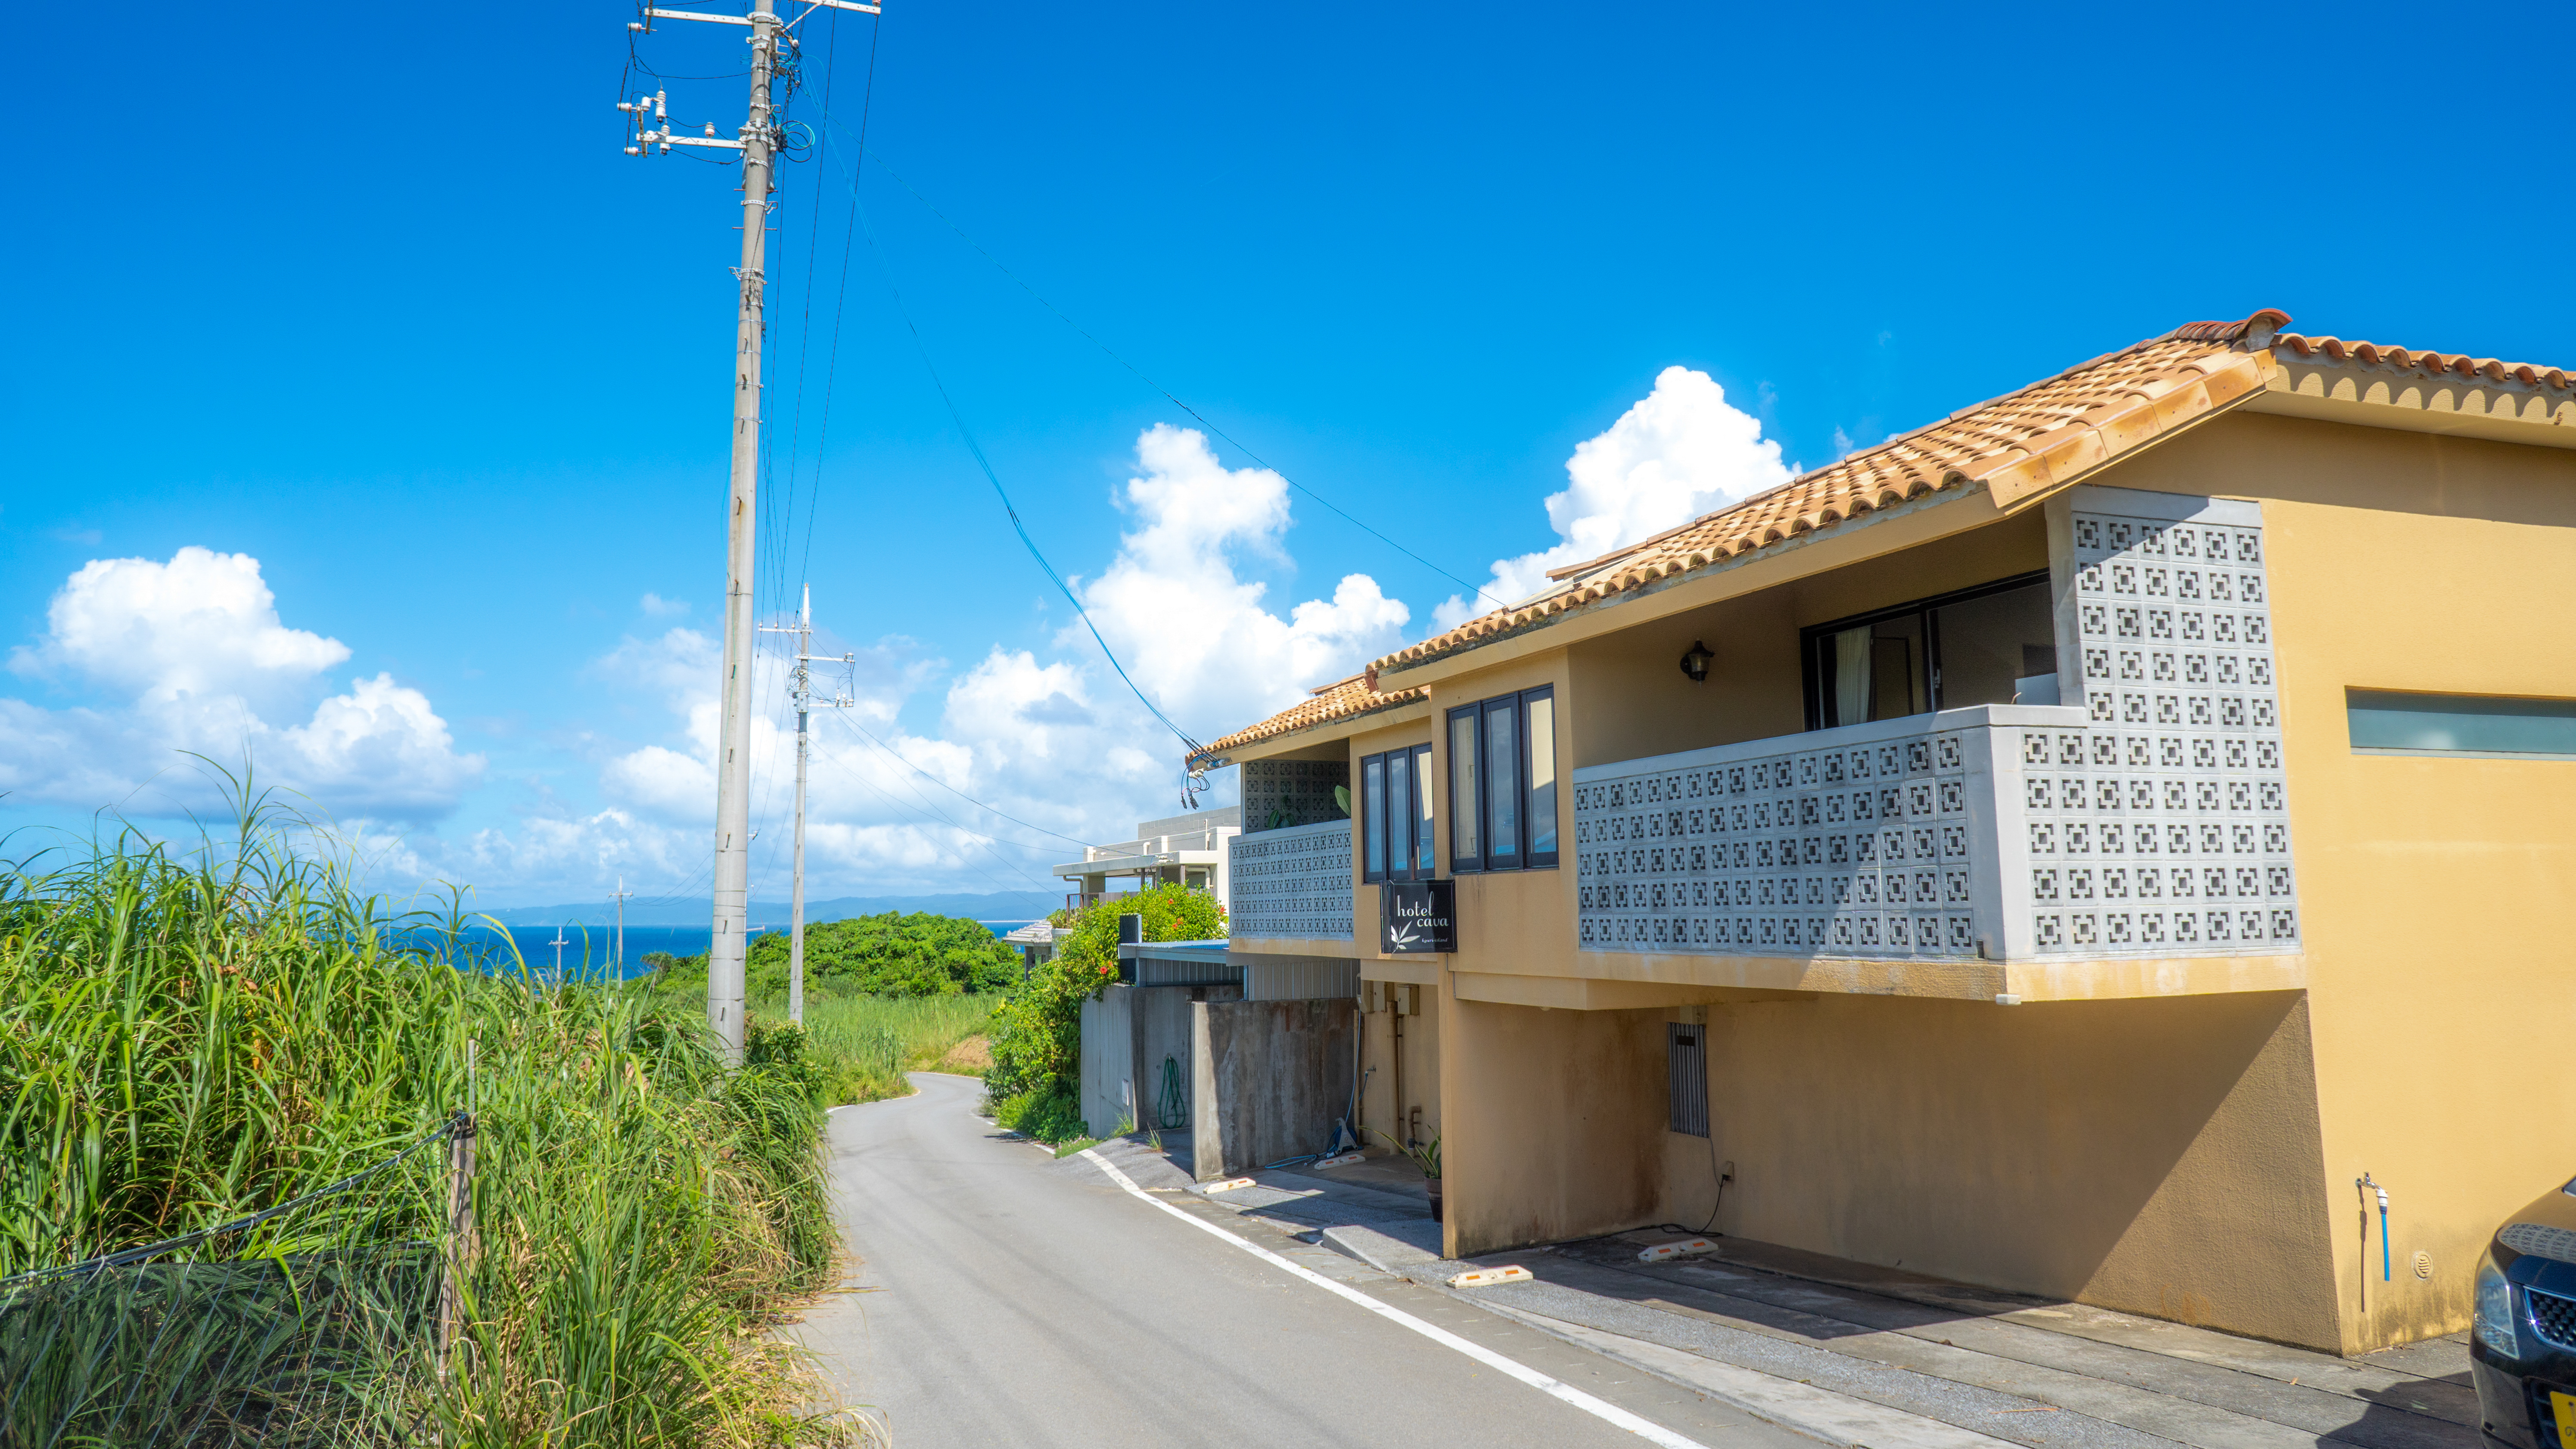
{"x":376,"y":315}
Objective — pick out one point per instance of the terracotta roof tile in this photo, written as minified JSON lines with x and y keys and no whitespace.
{"x":1327,"y":704}
{"x":2018,"y":445}
{"x":2457,"y":364}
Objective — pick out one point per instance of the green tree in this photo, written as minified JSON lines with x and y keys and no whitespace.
{"x":883,"y":955}
{"x":1036,"y":1074}
{"x":892,"y":955}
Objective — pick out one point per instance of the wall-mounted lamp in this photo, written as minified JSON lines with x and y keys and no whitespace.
{"x":1695,"y":663}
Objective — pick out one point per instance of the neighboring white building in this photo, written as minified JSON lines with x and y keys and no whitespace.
{"x":1185,"y":850}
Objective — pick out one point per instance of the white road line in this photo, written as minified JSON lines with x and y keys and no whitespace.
{"x":1599,"y":1409}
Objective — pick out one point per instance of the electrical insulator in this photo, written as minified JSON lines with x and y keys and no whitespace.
{"x":661,"y":110}
{"x":711,"y":128}
{"x":634,"y":150}
{"x":624,"y":106}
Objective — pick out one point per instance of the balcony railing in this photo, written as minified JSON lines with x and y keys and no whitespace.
{"x":2003,"y":832}
{"x":1292,"y":884}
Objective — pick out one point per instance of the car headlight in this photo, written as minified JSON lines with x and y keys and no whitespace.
{"x":2493,"y":1314}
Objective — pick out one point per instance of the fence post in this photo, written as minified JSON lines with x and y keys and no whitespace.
{"x":464,"y":1243}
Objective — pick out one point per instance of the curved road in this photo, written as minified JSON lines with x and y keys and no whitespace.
{"x":1001,"y":1298}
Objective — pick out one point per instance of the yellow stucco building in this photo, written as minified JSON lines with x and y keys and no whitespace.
{"x":2061,"y":849}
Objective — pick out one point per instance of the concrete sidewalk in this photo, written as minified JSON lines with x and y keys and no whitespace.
{"x":1853,"y":1354}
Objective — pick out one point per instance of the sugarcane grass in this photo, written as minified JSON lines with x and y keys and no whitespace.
{"x":191,"y":1034}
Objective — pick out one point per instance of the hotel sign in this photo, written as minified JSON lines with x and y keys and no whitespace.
{"x":1417,"y":917}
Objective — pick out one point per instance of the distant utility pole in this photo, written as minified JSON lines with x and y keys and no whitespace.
{"x":757,"y":141}
{"x":622,"y":895}
{"x":801,"y":691}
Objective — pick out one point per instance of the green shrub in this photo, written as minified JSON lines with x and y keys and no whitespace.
{"x":1048,"y":1117}
{"x":1037,"y":1033}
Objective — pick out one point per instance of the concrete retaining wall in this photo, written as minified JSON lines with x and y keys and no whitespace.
{"x":1269,"y":1080}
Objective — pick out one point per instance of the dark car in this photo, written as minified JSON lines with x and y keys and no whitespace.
{"x":2522,"y":1349}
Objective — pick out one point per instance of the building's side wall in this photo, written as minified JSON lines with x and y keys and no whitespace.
{"x":2156,"y":1156}
{"x":1400,"y":1066}
{"x":1275,"y":1076}
{"x":1556,"y":1123}
{"x":2439,"y":890}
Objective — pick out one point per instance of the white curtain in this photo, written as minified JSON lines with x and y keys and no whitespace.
{"x":1851,"y":676}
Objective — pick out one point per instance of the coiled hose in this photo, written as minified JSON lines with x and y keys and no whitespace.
{"x":1171,"y":1108}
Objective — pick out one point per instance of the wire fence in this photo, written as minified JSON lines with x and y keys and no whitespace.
{"x":323,"y":1320}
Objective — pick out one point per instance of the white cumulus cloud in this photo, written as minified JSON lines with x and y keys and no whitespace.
{"x":1194,"y":633}
{"x":1681,"y":451}
{"x":191,"y":656}
{"x":1010,"y":763}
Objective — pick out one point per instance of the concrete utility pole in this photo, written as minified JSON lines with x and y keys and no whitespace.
{"x":800,"y":690}
{"x":758,"y":142}
{"x":622,"y":895}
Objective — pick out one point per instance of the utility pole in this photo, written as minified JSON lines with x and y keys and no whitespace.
{"x":758,"y":141}
{"x":622,"y":895}
{"x":801,"y":691}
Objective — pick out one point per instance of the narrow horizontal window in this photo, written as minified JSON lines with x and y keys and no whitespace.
{"x":2387,"y":722}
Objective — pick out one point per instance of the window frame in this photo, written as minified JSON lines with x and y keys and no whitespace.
{"x":1811,"y":676}
{"x":1477,"y":716}
{"x":1373,"y":819}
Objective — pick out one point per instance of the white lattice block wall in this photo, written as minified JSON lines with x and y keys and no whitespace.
{"x":1871,"y":841}
{"x":2163,"y":827}
{"x":2149,"y":820}
{"x":1292,"y":884}
{"x":1297,"y":792}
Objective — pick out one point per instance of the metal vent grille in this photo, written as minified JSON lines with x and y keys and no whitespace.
{"x":2554,"y":1317}
{"x":1686,"y":1056}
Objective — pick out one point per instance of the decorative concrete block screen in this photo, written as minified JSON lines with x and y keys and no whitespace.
{"x":2148,"y":821}
{"x":1293,"y":884}
{"x":1858,"y":842}
{"x":2165,"y":826}
{"x":1301,"y":791}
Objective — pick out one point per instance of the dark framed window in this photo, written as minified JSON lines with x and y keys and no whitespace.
{"x":1503,"y":783}
{"x":1395,"y":815}
{"x":1975,"y":646}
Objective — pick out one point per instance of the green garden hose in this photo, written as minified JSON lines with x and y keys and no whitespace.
{"x":1171,"y":1109}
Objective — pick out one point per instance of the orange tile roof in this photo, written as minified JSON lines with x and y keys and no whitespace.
{"x":1325,"y":704}
{"x":2019,"y":445}
{"x":2458,"y":364}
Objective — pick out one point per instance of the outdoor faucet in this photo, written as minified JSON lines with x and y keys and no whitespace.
{"x":2386,"y":1267}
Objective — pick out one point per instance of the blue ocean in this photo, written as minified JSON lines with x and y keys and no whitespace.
{"x":591,"y":953}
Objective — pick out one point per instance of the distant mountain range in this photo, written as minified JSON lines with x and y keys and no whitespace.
{"x":996,"y":906}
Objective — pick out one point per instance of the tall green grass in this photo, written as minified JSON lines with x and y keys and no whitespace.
{"x":857,"y":1048}
{"x":186,"y":1036}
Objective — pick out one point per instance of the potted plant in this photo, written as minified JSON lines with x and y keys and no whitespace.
{"x":1426,"y":1157}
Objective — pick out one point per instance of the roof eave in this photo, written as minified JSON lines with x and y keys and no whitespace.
{"x":2374,"y":390}
{"x":1379,"y":716}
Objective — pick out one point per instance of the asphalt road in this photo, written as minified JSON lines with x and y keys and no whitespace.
{"x":1001,"y":1298}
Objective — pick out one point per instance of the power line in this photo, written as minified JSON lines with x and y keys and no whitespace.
{"x":1139,"y":373}
{"x":960,"y":794}
{"x":999,"y":491}
{"x":989,"y":841}
{"x":832,"y":367}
